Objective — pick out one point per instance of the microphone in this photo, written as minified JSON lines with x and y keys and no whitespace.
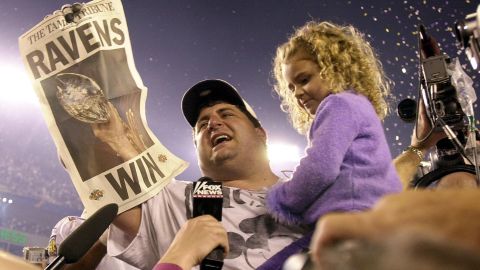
{"x":428,"y":44}
{"x":208,"y":200}
{"x":82,"y":239}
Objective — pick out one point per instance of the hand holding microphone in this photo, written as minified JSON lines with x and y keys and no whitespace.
{"x":195,"y":240}
{"x":202,"y":240}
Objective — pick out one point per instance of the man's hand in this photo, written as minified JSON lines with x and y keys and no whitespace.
{"x":195,"y":240}
{"x":450,"y":214}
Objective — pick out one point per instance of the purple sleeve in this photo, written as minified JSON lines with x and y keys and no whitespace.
{"x":334,"y":128}
{"x":166,"y":266}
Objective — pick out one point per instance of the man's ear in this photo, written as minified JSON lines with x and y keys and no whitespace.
{"x":262,"y":134}
{"x":193,"y":138}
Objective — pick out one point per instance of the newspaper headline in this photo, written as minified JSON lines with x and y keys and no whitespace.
{"x":93,"y":101}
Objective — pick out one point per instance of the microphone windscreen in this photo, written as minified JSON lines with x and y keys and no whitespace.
{"x":80,"y":240}
{"x":429,"y":46}
{"x":207,"y":198}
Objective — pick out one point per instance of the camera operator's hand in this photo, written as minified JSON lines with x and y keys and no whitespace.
{"x":407,"y":162}
{"x":422,"y":129}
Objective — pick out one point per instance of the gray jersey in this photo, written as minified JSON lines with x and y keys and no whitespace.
{"x":253,"y":234}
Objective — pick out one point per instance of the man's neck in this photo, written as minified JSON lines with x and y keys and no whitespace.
{"x":256,"y":180}
{"x":252,"y":183}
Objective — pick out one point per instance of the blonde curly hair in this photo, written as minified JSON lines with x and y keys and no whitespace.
{"x":345,"y":60}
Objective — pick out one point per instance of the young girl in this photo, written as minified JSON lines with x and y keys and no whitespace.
{"x":333,"y":88}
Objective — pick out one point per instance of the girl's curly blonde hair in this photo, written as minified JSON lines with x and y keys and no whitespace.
{"x":346,"y":61}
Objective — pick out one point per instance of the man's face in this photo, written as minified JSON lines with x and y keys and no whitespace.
{"x":224,"y":134}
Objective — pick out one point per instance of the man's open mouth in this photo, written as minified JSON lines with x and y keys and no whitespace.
{"x":220,"y":139}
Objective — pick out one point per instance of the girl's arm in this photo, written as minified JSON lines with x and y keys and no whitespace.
{"x":332,"y":133}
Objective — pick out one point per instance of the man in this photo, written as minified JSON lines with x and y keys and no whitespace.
{"x":231,"y":148}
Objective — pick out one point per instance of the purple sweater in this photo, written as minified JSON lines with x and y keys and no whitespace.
{"x":347,"y":166}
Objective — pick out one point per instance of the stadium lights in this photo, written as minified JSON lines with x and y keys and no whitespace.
{"x":18,"y":89}
{"x":283,"y":152}
{"x":7,"y":200}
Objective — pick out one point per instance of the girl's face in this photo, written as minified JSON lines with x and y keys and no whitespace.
{"x":303,"y":79}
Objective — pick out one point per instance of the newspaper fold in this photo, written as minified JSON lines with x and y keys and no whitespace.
{"x":93,"y":101}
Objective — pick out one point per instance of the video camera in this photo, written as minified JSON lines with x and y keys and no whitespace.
{"x":441,"y":100}
{"x":448,"y":96}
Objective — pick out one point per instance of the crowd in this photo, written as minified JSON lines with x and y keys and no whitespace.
{"x":36,"y":180}
{"x":31,"y":227}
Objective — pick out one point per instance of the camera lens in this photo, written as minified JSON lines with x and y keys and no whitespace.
{"x":448,"y":154}
{"x":407,"y":110}
{"x":460,"y":34}
{"x":464,"y":29}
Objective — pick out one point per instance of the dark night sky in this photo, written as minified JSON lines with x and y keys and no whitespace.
{"x":177,"y":43}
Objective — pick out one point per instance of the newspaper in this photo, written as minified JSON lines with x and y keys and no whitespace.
{"x":93,"y":101}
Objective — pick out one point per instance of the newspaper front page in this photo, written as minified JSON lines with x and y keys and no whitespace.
{"x":93,"y":101}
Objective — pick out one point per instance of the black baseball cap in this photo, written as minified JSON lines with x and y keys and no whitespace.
{"x":208,"y":91}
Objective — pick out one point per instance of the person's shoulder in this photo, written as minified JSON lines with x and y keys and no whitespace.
{"x":174,"y":189}
{"x":345,"y":102}
{"x":347,"y":107}
{"x":352,"y":102}
{"x":179,"y":183}
{"x":347,"y":98}
{"x":176,"y":184}
{"x":65,"y":226}
{"x":69,"y":221}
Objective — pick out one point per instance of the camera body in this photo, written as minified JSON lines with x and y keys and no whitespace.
{"x":439,"y":95}
{"x":448,"y":96}
{"x":442,"y":105}
{"x":441,"y":100}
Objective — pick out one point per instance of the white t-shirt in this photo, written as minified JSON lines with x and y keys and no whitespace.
{"x":64,"y":228}
{"x":253,"y":235}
